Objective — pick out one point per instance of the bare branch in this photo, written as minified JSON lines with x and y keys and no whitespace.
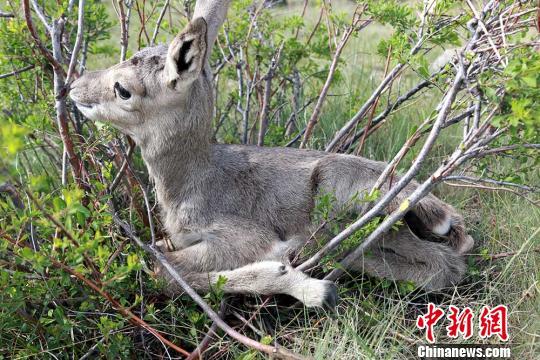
{"x":331,"y":72}
{"x":391,"y":108}
{"x":494,"y":188}
{"x":373,"y":108}
{"x":29,"y":23}
{"x":122,"y":169}
{"x":263,"y":119}
{"x":18,"y":71}
{"x":78,"y":41}
{"x":41,"y":15}
{"x":333,"y":145}
{"x":473,"y":180}
{"x":158,"y":23}
{"x":124,"y":28}
{"x":4,"y":14}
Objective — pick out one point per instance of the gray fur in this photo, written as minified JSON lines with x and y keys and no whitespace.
{"x":239,"y":211}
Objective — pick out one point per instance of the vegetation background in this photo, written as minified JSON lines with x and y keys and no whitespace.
{"x":66,"y":269}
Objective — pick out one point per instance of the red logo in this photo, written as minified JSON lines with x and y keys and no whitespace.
{"x":429,"y":320}
{"x":492,"y":321}
{"x":460,"y":322}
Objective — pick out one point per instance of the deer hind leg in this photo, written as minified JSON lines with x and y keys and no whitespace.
{"x":431,"y":219}
{"x":401,"y":255}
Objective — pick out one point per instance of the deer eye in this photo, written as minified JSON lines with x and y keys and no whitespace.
{"x":122,"y":92}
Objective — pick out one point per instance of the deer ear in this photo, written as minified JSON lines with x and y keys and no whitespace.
{"x":187,"y":54}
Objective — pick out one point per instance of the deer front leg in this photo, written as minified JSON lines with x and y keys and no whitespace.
{"x":259,"y":278}
{"x":245,"y":254}
{"x":270,"y":278}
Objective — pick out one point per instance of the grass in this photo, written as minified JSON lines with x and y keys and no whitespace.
{"x":374,"y":319}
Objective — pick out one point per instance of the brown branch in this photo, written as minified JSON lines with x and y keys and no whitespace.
{"x":158,"y":23}
{"x":334,"y":144}
{"x":123,"y":167}
{"x":124,"y":28}
{"x":30,"y":24}
{"x":374,"y":107}
{"x":379,"y":119}
{"x":134,"y":319}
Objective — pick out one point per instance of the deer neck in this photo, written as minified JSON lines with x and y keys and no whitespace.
{"x":177,"y":162}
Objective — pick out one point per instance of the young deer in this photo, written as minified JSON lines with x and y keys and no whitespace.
{"x":239,"y":211}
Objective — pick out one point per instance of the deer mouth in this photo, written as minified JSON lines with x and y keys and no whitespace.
{"x":83,"y":105}
{"x":87,"y":109}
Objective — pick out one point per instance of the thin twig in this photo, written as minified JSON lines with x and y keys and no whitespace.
{"x":78,"y":41}
{"x":4,"y":14}
{"x":332,"y":146}
{"x":210,"y":334}
{"x":373,"y":107}
{"x":44,"y":51}
{"x":331,"y":72}
{"x":18,"y":71}
{"x":263,"y":120}
{"x":124,"y":30}
{"x":122,"y":169}
{"x":41,"y":15}
{"x":158,"y":23}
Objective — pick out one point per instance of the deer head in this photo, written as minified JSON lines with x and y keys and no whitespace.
{"x":161,"y":92}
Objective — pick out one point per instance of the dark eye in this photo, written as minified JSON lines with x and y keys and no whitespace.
{"x":123,"y":93}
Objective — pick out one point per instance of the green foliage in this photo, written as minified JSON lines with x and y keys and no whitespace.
{"x":521,"y":102}
{"x":519,"y":113}
{"x":297,"y":56}
{"x":397,"y":14}
{"x":335,"y":218}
